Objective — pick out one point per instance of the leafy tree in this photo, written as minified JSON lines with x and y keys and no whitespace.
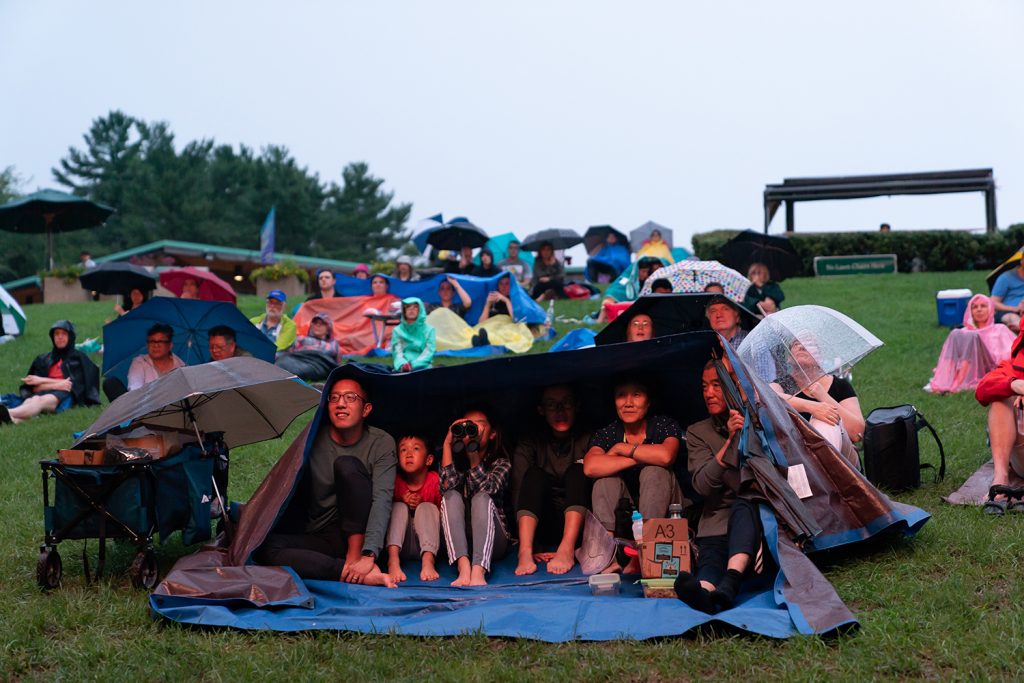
{"x":359,"y":220}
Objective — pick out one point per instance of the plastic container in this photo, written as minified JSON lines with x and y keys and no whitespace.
{"x":605,"y":584}
{"x":638,"y":526}
{"x":951,"y":304}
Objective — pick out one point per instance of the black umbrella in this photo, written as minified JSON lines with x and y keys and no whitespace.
{"x":597,"y":235}
{"x":117,"y":277}
{"x":754,"y":247}
{"x":560,"y":238}
{"x":50,"y":211}
{"x":457,"y":233}
{"x":670,"y":314}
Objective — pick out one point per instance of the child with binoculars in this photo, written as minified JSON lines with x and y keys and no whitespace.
{"x":474,"y":486}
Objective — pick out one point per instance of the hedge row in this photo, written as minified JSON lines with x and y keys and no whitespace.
{"x":937,"y":250}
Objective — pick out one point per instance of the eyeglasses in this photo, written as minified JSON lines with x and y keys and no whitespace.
{"x":557,"y":406}
{"x":157,"y":342}
{"x":348,"y":398}
{"x":640,"y":323}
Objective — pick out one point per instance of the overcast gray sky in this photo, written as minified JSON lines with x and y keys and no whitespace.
{"x":534,"y":114}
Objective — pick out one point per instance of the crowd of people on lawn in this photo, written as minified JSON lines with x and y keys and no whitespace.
{"x":371,"y":502}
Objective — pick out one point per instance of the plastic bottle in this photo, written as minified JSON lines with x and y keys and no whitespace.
{"x":638,"y":526}
{"x":675,"y":511}
{"x":550,"y":317}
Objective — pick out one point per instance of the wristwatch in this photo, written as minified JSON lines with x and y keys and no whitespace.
{"x":369,"y":553}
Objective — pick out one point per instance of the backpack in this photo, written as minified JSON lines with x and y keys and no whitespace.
{"x":892,"y":459}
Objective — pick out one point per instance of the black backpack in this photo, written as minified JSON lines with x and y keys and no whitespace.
{"x":892,"y":459}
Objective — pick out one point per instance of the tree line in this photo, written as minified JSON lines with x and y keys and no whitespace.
{"x":207,"y":192}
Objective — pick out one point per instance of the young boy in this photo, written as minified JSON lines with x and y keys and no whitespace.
{"x":417,"y":495}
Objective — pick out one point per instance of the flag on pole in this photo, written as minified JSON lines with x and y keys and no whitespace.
{"x":267,"y":237}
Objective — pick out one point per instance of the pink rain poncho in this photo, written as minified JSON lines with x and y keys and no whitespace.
{"x":971,"y":351}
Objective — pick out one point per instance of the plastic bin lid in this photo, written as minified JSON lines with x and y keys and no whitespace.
{"x":602,"y":580}
{"x":953,"y":294}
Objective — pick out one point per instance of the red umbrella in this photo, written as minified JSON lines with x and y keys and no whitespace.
{"x":211,"y":287}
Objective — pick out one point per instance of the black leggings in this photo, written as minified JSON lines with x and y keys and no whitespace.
{"x":321,"y":554}
{"x":556,"y":286}
{"x":544,"y":497}
{"x":744,"y":536}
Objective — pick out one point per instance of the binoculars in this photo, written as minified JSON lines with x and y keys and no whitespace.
{"x":461,"y":430}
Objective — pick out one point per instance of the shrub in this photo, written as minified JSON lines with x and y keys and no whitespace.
{"x":941,"y":250}
{"x":279,"y":271}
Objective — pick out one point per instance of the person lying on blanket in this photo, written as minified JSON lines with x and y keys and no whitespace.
{"x":729,"y":531}
{"x":1002,"y":391}
{"x":549,"y":489}
{"x":417,"y":499}
{"x":351,"y":481}
{"x":474,"y":484}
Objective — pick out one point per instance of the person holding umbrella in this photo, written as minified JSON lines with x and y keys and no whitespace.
{"x":57,"y":380}
{"x":133,"y":299}
{"x":464,"y":265}
{"x":763,"y":295}
{"x":158,"y":359}
{"x":548,"y":275}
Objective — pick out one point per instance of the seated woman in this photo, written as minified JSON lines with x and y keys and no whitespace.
{"x":607,"y":260}
{"x":632,"y":458}
{"x":133,"y":299}
{"x":548,"y":275}
{"x":474,"y":484}
{"x":447,"y":290}
{"x":729,"y":531}
{"x":972,"y":350}
{"x":487,"y":268}
{"x":319,"y":337}
{"x":763,"y":295}
{"x":498,"y":301}
{"x":828,"y":402}
{"x":404,"y":270}
{"x":550,"y":492}
{"x":189,"y":289}
{"x":413,"y":342}
{"x":655,"y":246}
{"x":57,"y":380}
{"x":158,"y":360}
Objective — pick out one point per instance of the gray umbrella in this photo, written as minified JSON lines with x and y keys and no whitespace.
{"x":638,"y":236}
{"x":560,"y":238}
{"x":248,"y":399}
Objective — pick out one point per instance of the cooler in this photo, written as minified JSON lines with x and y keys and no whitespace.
{"x":951,"y":305}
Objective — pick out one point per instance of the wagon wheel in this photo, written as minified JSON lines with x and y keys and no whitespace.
{"x":144,"y":571}
{"x":49,"y":569}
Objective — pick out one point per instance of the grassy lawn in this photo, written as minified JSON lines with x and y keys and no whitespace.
{"x":945,"y":604}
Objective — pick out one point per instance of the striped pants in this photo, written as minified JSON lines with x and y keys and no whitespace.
{"x":490,"y":541}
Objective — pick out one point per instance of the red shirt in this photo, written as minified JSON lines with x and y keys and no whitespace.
{"x":995,"y":386}
{"x":430,"y":492}
{"x":56,"y":370}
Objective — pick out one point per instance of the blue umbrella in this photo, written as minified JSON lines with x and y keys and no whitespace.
{"x":424,"y":228}
{"x":191,"y":320}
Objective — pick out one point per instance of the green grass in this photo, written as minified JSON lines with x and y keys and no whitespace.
{"x":945,"y":604}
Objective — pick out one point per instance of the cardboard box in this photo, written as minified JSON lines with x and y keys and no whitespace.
{"x":78,"y":456}
{"x":664,"y":553}
{"x":158,"y":442}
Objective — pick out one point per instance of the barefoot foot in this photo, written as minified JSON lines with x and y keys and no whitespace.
{"x":562,"y":561}
{"x":526,"y":564}
{"x":477,"y":576}
{"x":428,"y":572}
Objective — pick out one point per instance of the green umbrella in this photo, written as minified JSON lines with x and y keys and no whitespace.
{"x":12,"y":317}
{"x":50,"y":211}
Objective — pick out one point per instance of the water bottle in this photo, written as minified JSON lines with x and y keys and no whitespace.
{"x":638,"y":526}
{"x":675,"y":511}
{"x":550,"y":317}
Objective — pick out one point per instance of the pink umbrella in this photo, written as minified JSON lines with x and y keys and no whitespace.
{"x":211,"y":287}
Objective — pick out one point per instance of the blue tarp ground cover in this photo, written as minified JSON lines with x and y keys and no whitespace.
{"x":539,"y":607}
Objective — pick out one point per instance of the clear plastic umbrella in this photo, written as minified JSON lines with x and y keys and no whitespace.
{"x":802,"y":344}
{"x":691,"y":277}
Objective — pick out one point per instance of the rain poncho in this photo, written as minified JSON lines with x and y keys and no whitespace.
{"x":455,"y":333}
{"x":76,"y":366}
{"x":971,"y":351}
{"x":657,"y":249}
{"x":413,"y":343}
{"x":627,"y":285}
{"x":307,"y":342}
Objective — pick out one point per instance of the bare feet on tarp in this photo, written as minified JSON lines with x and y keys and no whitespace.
{"x":527,"y":562}
{"x":561,"y":561}
{"x":428,"y":572}
{"x":477,"y":576}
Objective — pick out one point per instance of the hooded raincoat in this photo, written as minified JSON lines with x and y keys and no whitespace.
{"x":413,"y":343}
{"x":971,"y":351}
{"x":75,"y":365}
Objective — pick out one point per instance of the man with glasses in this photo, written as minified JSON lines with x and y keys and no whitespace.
{"x":223,"y":344}
{"x":337,"y":529}
{"x":158,"y":359}
{"x":549,"y":489}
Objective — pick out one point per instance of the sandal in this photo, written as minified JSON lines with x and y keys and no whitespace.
{"x":996,"y":508}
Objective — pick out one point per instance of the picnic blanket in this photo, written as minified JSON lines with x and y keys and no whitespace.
{"x":975,"y":489}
